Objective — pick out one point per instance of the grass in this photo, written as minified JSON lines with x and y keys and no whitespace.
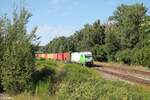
{"x":75,"y":82}
{"x":116,"y":64}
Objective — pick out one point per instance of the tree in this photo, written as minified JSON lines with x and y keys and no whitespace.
{"x":112,"y":45}
{"x":90,"y":35}
{"x":128,"y":19}
{"x":2,"y":38}
{"x":142,"y":50}
{"x":18,"y":57}
{"x":144,"y":40}
{"x":99,"y":52}
{"x":59,"y":44}
{"x":82,"y":40}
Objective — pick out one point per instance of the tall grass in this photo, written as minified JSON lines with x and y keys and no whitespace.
{"x":75,"y":82}
{"x":86,"y":84}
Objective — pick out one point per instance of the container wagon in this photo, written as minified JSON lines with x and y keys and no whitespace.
{"x":55,"y":56}
{"x":67,"y":57}
{"x":60,"y":56}
{"x":84,"y":58}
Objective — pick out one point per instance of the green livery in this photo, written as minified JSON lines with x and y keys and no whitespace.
{"x":82,"y":59}
{"x":86,"y":58}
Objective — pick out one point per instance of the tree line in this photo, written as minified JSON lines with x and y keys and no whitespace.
{"x":124,"y":38}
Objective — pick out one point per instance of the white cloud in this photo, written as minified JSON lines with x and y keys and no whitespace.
{"x":47,"y":32}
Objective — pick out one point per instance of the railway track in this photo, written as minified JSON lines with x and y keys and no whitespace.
{"x":132,"y":75}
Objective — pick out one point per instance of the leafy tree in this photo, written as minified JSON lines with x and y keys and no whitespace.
{"x":98,"y":35}
{"x":124,"y":56}
{"x":142,"y":51}
{"x":18,"y":57}
{"x":112,"y":45}
{"x":127,"y":31}
{"x":2,"y":33}
{"x":128,"y":19}
{"x":82,"y":40}
{"x":141,"y":56}
{"x":144,"y":33}
{"x":91,"y":35}
{"x":99,"y":53}
{"x":59,"y":44}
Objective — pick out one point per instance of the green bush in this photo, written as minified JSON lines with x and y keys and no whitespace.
{"x":142,"y":56}
{"x":75,"y":82}
{"x":86,"y":84}
{"x":124,"y":56}
{"x":99,"y":53}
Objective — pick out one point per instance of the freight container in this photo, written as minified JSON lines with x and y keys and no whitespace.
{"x":42,"y":55}
{"x":60,"y":56}
{"x":46,"y":56}
{"x":37,"y":56}
{"x":50,"y":56}
{"x":55,"y":56}
{"x":67,"y":56}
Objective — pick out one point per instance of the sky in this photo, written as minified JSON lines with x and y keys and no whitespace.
{"x":56,"y":18}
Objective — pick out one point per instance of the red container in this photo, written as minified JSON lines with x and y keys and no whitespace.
{"x":67,"y":56}
{"x":60,"y":56}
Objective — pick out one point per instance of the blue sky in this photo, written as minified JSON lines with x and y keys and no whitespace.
{"x":63,"y":17}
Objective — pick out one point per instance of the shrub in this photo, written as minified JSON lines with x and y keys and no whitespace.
{"x":86,"y":84}
{"x":124,"y":56}
{"x":73,"y":82}
{"x":112,"y":45}
{"x":142,"y":56}
{"x":18,"y":56}
{"x":99,"y":53}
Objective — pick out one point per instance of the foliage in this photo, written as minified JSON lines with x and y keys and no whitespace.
{"x":141,"y":56}
{"x":85,"y":84}
{"x":78,"y":82}
{"x":57,"y":45}
{"x":124,"y":56}
{"x":126,"y":38}
{"x":82,"y":40}
{"x":17,"y":59}
{"x":128,"y":19}
{"x":112,"y":45}
{"x":73,"y":81}
{"x":127,"y":29}
{"x":99,"y":53}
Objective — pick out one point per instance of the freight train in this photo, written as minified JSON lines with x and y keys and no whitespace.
{"x":84,"y":58}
